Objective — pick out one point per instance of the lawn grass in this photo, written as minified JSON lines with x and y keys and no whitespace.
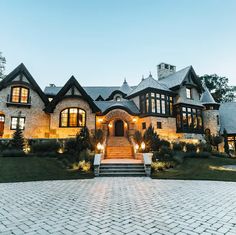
{"x":21,"y":169}
{"x":200,"y":169}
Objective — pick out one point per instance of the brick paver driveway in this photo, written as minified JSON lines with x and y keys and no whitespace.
{"x":118,"y":206}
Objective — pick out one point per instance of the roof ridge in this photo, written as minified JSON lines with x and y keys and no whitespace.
{"x":176,"y":72}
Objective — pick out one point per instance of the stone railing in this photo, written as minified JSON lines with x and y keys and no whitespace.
{"x":97,"y":163}
{"x":147,"y":161}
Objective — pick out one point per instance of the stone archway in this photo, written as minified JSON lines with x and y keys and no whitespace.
{"x":108,"y":122}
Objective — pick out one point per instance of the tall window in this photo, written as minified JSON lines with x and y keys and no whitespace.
{"x":188,"y":93}
{"x":72,"y":117}
{"x":189,"y":119}
{"x":156,"y":103}
{"x":20,"y":95}
{"x":14,"y":121}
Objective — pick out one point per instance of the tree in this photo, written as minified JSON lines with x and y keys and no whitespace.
{"x":226,"y":144}
{"x":219,"y":87}
{"x":151,"y":139}
{"x":216,"y":140}
{"x":83,"y":140}
{"x":2,"y":65}
{"x":18,"y":138}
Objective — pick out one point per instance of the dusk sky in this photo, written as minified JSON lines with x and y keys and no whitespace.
{"x":101,"y":42}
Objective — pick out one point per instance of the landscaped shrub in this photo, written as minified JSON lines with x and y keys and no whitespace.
{"x":204,"y":155}
{"x":191,"y":154}
{"x":71,"y":146}
{"x":97,"y":137}
{"x":138,"y":137}
{"x":13,"y":153}
{"x":4,"y":145}
{"x":178,"y":157}
{"x":45,"y":146}
{"x":151,"y":140}
{"x":18,"y":141}
{"x":178,"y":146}
{"x":86,"y":156}
{"x":205,"y":147}
{"x":161,"y":166}
{"x":81,"y":166}
{"x":191,"y":147}
{"x":83,"y":140}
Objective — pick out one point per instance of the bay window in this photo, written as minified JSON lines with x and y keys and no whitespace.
{"x":189,"y":119}
{"x":155,"y":103}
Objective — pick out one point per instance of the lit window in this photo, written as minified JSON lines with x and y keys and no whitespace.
{"x":14,"y":121}
{"x":20,"y":95}
{"x":188,"y":93}
{"x":72,"y":117}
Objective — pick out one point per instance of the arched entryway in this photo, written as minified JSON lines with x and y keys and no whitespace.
{"x":119,"y":128}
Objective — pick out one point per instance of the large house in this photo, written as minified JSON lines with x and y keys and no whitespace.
{"x":175,"y":104}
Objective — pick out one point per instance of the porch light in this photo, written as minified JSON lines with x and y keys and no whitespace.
{"x":110,"y":125}
{"x":134,"y":119}
{"x":100,"y":120}
{"x":143,"y":146}
{"x":99,"y":146}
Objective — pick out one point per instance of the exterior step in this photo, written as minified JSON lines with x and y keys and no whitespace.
{"x":122,"y":169}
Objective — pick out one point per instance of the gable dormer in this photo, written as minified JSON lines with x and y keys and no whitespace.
{"x":72,"y":89}
{"x":19,"y":86}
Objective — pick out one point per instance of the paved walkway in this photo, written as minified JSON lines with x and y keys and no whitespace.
{"x":118,"y":206}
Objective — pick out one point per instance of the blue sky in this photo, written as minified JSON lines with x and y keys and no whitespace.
{"x":101,"y":42}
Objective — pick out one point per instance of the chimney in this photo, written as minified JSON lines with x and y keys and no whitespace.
{"x":52,"y":85}
{"x":163,"y":70}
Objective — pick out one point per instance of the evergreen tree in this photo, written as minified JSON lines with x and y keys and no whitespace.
{"x":83,"y":140}
{"x":18,"y":138}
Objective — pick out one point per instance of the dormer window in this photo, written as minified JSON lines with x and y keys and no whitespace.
{"x":188,"y":93}
{"x":20,"y":95}
{"x":118,"y":98}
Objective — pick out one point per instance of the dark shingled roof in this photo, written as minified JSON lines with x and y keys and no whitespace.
{"x":176,"y":78}
{"x":228,"y":117}
{"x":92,"y":91}
{"x":206,"y":97}
{"x":149,"y":82}
{"x":127,"y":105}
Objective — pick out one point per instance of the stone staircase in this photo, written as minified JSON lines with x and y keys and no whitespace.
{"x":122,"y":169}
{"x":118,"y":148}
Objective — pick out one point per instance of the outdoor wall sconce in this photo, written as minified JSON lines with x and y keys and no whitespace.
{"x":136,"y":147}
{"x":110,"y":125}
{"x":143,"y":146}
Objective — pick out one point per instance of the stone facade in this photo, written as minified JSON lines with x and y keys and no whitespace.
{"x":42,"y":114}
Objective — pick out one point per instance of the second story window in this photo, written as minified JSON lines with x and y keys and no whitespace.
{"x":188,"y":93}
{"x":20,"y":95}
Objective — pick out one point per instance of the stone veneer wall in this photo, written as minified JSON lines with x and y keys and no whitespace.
{"x":210,"y":121}
{"x":36,"y":120}
{"x":67,"y":132}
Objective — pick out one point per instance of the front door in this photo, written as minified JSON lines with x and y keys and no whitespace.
{"x":2,"y":120}
{"x":119,"y":128}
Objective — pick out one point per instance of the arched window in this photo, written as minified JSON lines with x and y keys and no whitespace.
{"x":19,"y":95}
{"x":72,"y":117}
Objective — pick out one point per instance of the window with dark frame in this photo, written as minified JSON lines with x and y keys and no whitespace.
{"x":188,"y":93}
{"x":155,"y":103}
{"x":159,"y":125}
{"x":72,"y":117}
{"x":143,"y":125}
{"x":19,"y":95}
{"x":14,"y":121}
{"x":189,"y":119}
